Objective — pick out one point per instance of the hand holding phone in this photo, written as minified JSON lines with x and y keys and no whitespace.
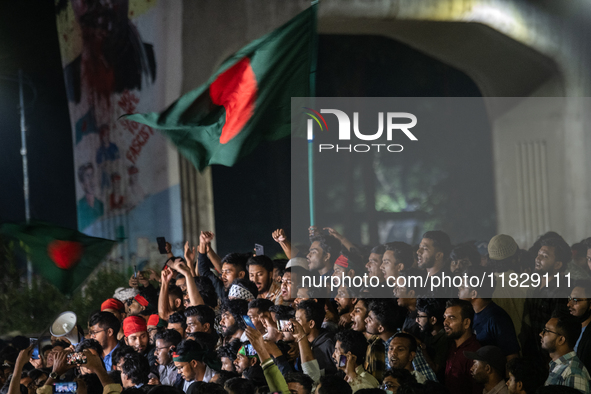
{"x":259,"y":250}
{"x":76,"y":358}
{"x":284,"y":326}
{"x":161,"y":245}
{"x":343,"y":361}
{"x":248,"y":321}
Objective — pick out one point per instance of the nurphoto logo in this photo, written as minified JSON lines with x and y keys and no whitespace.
{"x":394,"y":129}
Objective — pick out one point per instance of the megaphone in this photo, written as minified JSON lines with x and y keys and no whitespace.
{"x":65,"y":326}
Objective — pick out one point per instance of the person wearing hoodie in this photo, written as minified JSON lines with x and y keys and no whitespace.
{"x":309,"y":315}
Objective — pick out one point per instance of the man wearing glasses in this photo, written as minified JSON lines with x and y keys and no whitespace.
{"x":579,"y":306}
{"x":558,"y":338}
{"x":104,"y":327}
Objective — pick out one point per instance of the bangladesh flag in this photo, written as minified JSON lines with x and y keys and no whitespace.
{"x":63,"y":256}
{"x":247,"y":100}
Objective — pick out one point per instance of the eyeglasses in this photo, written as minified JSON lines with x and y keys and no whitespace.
{"x":387,"y":386}
{"x":576,"y":300}
{"x":422,"y":317}
{"x":93,"y":333}
{"x":545,"y":330}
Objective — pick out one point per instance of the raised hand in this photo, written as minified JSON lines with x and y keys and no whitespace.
{"x":23,"y":357}
{"x":279,"y":235}
{"x":166,"y":275}
{"x":332,"y":232}
{"x":208,"y":236}
{"x":313,"y":231}
{"x":190,"y":253}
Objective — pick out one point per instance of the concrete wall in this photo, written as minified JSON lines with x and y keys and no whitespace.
{"x":510,"y":48}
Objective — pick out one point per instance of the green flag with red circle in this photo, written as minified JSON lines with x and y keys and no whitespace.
{"x":247,"y":100}
{"x":63,"y":256}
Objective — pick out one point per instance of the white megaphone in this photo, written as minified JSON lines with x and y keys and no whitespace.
{"x":65,"y":326}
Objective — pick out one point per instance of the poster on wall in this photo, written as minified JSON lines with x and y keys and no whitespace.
{"x":116,"y":60}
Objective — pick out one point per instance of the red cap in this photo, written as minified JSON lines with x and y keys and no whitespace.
{"x":342,"y":261}
{"x":141,"y":300}
{"x":153,"y":320}
{"x":114,"y":304}
{"x":133,"y":324}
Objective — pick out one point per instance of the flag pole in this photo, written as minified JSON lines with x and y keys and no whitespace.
{"x":313,"y":61}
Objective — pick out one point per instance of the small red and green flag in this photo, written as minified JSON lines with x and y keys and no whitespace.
{"x":63,"y":256}
{"x":247,"y":100}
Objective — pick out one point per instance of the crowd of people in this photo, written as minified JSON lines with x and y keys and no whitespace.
{"x":246,"y":324}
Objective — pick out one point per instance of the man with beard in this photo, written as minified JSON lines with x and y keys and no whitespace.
{"x":144,"y":304}
{"x":194,"y":363}
{"x":260,"y":271}
{"x":104,"y":327}
{"x":166,"y":342}
{"x":430,"y":320}
{"x":558,"y":338}
{"x":488,"y":369}
{"x":136,"y":336}
{"x":543,"y":301}
{"x":245,"y":359}
{"x":232,"y":324}
{"x":580,"y":307}
{"x":458,"y":328}
{"x":402,"y":350}
{"x":433,"y":252}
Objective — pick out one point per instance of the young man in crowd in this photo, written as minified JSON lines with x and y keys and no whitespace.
{"x":245,"y":359}
{"x":310,"y":315}
{"x":523,"y":377}
{"x":260,"y":271}
{"x":258,"y":310}
{"x":166,"y":342}
{"x":492,"y":325}
{"x":232,"y":324}
{"x":349,"y":356}
{"x":233,"y":267}
{"x":374,"y":263}
{"x":435,"y":343}
{"x":104,"y":327}
{"x":383,"y":319}
{"x":488,"y":369}
{"x":401,"y":353}
{"x":579,"y":305}
{"x":177,"y":321}
{"x":541,"y":302}
{"x":134,"y":371}
{"x":458,"y":318}
{"x":558,"y":338}
{"x":136,"y":336}
{"x":194,"y":363}
{"x":322,"y":254}
{"x":397,"y":257}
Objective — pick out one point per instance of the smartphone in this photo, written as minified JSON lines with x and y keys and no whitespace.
{"x":248,"y":322}
{"x":35,"y":355}
{"x":65,"y":387}
{"x":343,"y":361}
{"x":259,"y":250}
{"x":249,"y":350}
{"x":76,"y":358}
{"x":161,"y":245}
{"x":135,"y":271}
{"x":284,"y":326}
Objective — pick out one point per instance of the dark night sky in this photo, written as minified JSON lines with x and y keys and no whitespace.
{"x":29,"y":41}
